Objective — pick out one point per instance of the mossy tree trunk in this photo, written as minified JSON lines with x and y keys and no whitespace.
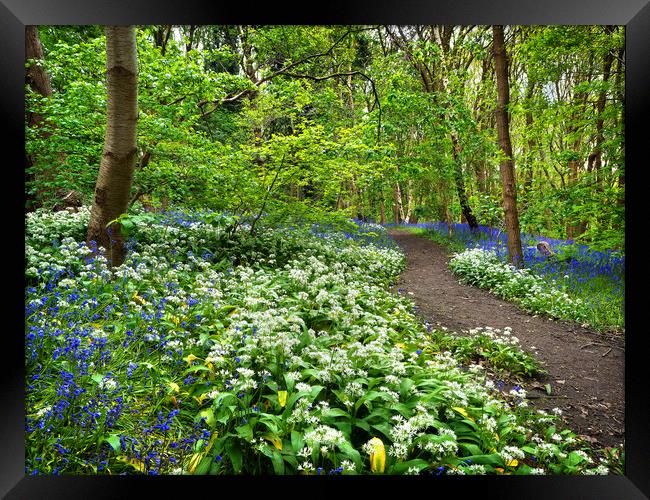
{"x":39,"y":82}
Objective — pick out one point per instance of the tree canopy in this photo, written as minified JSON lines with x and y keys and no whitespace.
{"x":384,"y":123}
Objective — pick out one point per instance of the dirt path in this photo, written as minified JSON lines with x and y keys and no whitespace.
{"x":585,"y":368}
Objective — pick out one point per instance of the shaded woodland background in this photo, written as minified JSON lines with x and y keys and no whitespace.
{"x":384,"y":123}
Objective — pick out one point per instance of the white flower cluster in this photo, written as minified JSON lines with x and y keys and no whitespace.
{"x":483,"y":268}
{"x":496,"y":335}
{"x":324,"y":435}
{"x":322,"y":318}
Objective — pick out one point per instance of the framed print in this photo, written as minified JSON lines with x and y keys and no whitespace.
{"x":370,"y":242}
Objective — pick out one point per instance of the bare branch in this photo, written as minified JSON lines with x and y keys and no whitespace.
{"x":266,"y":196}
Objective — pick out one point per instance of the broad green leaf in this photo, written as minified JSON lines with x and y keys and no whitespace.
{"x":234,"y":452}
{"x":114,"y":441}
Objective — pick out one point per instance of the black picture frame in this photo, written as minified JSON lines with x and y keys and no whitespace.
{"x":16,"y":14}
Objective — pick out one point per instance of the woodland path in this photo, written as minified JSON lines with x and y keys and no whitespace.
{"x":585,"y":368}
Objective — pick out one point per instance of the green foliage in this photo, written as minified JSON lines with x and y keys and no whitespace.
{"x":483,"y":269}
{"x":252,"y":331}
{"x":178,"y":362}
{"x":498,"y":349}
{"x":596,"y":303}
{"x":309,"y":136}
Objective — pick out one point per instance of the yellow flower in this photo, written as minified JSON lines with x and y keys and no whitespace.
{"x":282,"y":398}
{"x":463,"y":412}
{"x":377,"y":455}
{"x":277,"y":442}
{"x":139,"y":299}
{"x":190,"y":358}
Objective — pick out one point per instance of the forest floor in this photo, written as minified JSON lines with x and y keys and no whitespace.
{"x":585,"y":369}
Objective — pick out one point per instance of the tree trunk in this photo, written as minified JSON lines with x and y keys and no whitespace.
{"x":449,"y":220}
{"x":190,"y":39}
{"x":528,"y":180}
{"x":398,"y":202}
{"x":36,"y":76}
{"x":118,"y":158}
{"x":409,"y":201}
{"x":621,"y":97}
{"x":382,"y":211}
{"x":507,"y":166}
{"x":481,"y":180}
{"x":351,"y":93}
{"x":480,"y":165}
{"x":39,"y":81}
{"x":395,"y":211}
{"x":600,"y":107}
{"x":433,"y":80}
{"x":247,"y":55}
{"x":339,"y":199}
{"x":357,"y":195}
{"x":460,"y":185}
{"x":161,"y":37}
{"x":575,"y":229}
{"x":442,"y":36}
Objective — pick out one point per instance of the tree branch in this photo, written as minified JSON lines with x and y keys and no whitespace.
{"x":266,"y":196}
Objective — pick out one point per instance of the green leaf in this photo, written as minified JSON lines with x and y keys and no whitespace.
{"x":343,"y":426}
{"x":297,"y":441}
{"x":233,"y":450}
{"x":384,"y":428}
{"x":278,"y":462}
{"x":208,"y":414}
{"x":493,"y":459}
{"x":204,"y":466}
{"x":292,"y":401}
{"x":347,"y":449}
{"x":197,"y":368}
{"x":574,"y":459}
{"x":290,"y":459}
{"x":403,"y":409}
{"x":114,"y":441}
{"x":336,"y":412}
{"x":471,"y":449}
{"x":405,"y":386}
{"x":361,"y":424}
{"x":402,"y":467}
{"x":127,"y":227}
